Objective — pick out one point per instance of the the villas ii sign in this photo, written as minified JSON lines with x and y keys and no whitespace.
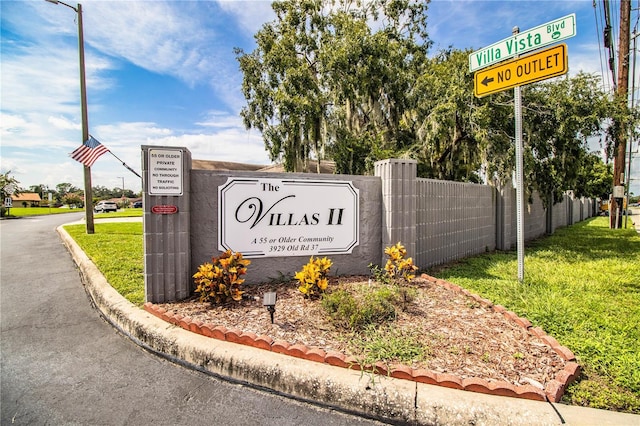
{"x":277,"y":217}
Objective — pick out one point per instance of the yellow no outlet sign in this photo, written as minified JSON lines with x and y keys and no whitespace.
{"x":539,"y":66}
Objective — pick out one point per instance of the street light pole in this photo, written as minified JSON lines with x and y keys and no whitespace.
{"x":88,"y":194}
{"x":122,"y":177}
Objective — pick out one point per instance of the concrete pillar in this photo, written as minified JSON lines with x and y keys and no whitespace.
{"x":505,"y":200}
{"x":399,"y":202}
{"x":166,"y":195}
{"x":549,"y":214}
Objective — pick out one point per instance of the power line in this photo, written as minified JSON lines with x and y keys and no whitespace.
{"x":600,"y":53}
{"x":609,"y":37}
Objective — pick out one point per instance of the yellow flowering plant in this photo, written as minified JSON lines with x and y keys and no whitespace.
{"x":397,"y":267}
{"x":219,"y":281}
{"x":400,"y":271}
{"x":312,"y":279}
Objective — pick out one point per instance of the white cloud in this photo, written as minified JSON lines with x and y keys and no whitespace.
{"x":227,"y":142}
{"x":250,"y":14}
{"x":10,"y":123}
{"x":221,"y":119}
{"x":154,"y":35}
{"x":64,"y":124}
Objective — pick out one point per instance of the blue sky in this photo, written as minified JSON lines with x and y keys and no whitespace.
{"x":163,"y":73}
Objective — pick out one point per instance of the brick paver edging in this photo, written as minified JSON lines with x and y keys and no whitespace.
{"x":553,"y":391}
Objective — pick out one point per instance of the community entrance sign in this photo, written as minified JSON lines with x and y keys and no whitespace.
{"x":520,"y":43}
{"x":545,"y":64}
{"x":275,"y":218}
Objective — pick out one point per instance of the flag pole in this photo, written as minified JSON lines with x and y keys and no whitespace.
{"x":88,"y":192}
{"x":125,"y":165}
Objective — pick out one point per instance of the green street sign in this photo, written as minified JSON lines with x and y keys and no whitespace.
{"x":535,"y":38}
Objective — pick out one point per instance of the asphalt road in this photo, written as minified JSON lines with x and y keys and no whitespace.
{"x":61,"y":363}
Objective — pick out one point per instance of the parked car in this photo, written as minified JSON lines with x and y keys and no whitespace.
{"x":105,"y":207}
{"x":137,"y":205}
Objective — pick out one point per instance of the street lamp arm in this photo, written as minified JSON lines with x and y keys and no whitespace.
{"x":62,"y":3}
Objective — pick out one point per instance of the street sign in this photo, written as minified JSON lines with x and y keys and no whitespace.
{"x":535,"y":38}
{"x":545,"y":64}
{"x":8,"y":202}
{"x":10,"y":188}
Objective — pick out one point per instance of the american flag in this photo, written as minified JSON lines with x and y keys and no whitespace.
{"x":89,"y":151}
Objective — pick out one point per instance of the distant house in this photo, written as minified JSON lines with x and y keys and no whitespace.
{"x":26,"y":199}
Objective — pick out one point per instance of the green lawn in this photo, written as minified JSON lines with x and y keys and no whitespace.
{"x":582,"y":286}
{"x":37,"y":211}
{"x":116,"y":249}
{"x":119,"y":213}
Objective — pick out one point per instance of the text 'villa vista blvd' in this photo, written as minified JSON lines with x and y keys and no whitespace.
{"x":526,"y":41}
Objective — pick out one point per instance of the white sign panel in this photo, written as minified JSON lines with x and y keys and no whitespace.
{"x":277,"y":218}
{"x":10,"y":188}
{"x":535,"y":38}
{"x":165,"y":172}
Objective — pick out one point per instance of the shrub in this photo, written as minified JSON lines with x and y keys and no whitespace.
{"x":398,"y":271}
{"x":373,"y":307}
{"x":379,"y":274}
{"x":312,"y":279}
{"x":219,"y":281}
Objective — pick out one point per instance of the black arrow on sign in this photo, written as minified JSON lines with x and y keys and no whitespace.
{"x":487,"y":80}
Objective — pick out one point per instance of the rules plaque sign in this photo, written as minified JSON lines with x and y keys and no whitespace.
{"x":278,"y":217}
{"x":165,"y":172}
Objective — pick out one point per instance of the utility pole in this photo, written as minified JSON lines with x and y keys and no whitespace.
{"x":634,"y":37}
{"x":615,"y":212}
{"x":88,"y":194}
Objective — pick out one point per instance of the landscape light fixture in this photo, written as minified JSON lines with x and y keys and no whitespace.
{"x":269,"y":300}
{"x":88,"y":192}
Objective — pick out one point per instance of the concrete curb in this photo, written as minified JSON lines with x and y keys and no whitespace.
{"x":384,"y":398}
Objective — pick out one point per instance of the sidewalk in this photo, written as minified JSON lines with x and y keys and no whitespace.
{"x":385,"y":398}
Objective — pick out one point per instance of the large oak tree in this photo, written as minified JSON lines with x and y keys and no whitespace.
{"x":352,"y":81}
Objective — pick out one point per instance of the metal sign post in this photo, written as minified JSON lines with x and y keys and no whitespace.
{"x":517,"y":105}
{"x":542,"y":65}
{"x":517,"y":94}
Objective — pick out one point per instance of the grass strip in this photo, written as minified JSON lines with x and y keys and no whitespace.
{"x":116,"y":249}
{"x":39,"y":211}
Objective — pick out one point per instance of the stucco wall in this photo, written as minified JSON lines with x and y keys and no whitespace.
{"x":204,"y":226}
{"x":437,"y":221}
{"x":455,"y":220}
